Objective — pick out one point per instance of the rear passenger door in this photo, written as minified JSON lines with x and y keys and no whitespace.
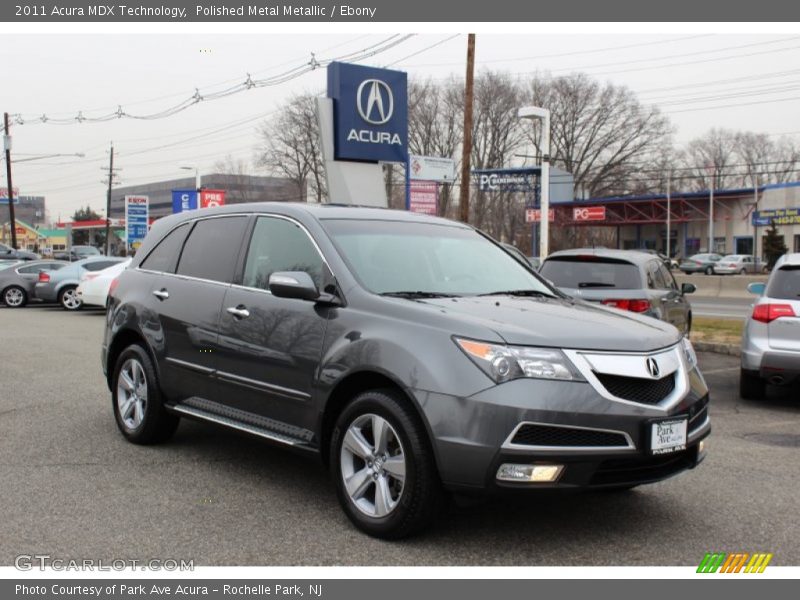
{"x":269,"y":347}
{"x":188,"y":304}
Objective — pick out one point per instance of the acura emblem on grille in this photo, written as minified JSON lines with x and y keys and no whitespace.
{"x":652,"y":367}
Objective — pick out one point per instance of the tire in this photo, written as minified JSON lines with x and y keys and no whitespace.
{"x":139,"y":409}
{"x":15,"y":297}
{"x":411,"y":502}
{"x":751,"y":387}
{"x":709,"y":271}
{"x":743,"y":272}
{"x":688,"y":325}
{"x":68,"y":299}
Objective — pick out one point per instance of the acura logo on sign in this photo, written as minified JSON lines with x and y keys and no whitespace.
{"x":652,"y":367}
{"x":375,"y":101}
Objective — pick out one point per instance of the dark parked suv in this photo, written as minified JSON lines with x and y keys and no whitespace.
{"x":412,"y":354}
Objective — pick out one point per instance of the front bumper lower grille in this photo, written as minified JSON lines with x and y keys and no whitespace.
{"x":636,"y":389}
{"x":531,"y":434}
{"x":642,"y":469}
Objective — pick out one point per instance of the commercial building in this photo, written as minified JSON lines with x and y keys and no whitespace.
{"x":238,"y":189}
{"x":740,"y":216}
{"x":30,"y":209}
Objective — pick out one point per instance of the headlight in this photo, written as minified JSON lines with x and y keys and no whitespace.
{"x":688,"y":352}
{"x":504,"y":363}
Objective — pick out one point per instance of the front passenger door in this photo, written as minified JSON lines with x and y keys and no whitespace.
{"x":269,"y":347}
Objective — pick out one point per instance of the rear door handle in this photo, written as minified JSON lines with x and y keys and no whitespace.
{"x":239,"y":312}
{"x":161,"y":294}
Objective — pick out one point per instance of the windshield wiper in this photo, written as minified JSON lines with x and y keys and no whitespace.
{"x":418,"y":294}
{"x":537,"y":293}
{"x":591,"y":284}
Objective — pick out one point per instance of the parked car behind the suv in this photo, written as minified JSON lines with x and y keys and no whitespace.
{"x":700,"y":263}
{"x":59,"y":286}
{"x":409,"y":352}
{"x":18,"y":280}
{"x":626,"y":279}
{"x":9,"y":253}
{"x":737,"y":264}
{"x":771,"y":337}
{"x":77,"y":253}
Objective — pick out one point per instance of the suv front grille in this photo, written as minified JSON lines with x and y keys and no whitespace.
{"x":637,"y":389}
{"x":543,"y":435}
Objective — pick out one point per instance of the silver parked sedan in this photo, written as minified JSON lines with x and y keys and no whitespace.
{"x":737,"y":264}
{"x":771,"y":337}
{"x":625,"y":279}
{"x":18,"y":279}
{"x":60,"y":286}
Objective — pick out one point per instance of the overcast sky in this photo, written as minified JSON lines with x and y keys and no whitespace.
{"x":60,"y":75}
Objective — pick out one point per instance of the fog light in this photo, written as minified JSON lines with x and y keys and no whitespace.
{"x":529,"y":473}
{"x":701,"y":448}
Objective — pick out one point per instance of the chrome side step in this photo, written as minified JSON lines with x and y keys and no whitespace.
{"x":263,"y":427}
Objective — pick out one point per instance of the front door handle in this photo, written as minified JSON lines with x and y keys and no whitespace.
{"x":161,"y":294}
{"x":239,"y":312}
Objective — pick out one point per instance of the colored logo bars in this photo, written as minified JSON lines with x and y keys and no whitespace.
{"x":721,"y":562}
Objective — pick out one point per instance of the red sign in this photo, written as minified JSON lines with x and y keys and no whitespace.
{"x":212,"y":198}
{"x":534,"y":215}
{"x":424,"y":197}
{"x":589,"y":213}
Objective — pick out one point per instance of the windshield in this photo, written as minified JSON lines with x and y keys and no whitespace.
{"x":395,"y":256}
{"x":579,"y":272}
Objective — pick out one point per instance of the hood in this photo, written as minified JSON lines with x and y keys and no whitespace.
{"x":560,"y":323}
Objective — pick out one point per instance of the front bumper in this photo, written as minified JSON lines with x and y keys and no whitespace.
{"x":473,"y":436}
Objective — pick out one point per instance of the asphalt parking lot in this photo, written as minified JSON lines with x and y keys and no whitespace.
{"x":72,"y":487}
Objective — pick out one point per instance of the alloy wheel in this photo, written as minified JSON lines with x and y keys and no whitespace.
{"x":14,"y":297}
{"x":70,"y":300}
{"x":373,"y":465}
{"x":131,"y":394}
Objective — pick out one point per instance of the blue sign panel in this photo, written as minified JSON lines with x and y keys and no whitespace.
{"x":508,"y":180}
{"x":183,"y":200}
{"x":136,"y":218}
{"x":370,"y":113}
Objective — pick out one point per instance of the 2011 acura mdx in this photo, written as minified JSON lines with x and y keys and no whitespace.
{"x":413,"y":354}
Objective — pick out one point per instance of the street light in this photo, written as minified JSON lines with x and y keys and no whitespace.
{"x":196,"y":175}
{"x":535,"y":112}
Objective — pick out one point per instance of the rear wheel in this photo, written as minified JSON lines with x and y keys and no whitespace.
{"x":68,"y":298}
{"x":709,"y":271}
{"x":15,"y":297}
{"x":743,"y":272}
{"x":751,"y":386}
{"x":385,"y":474}
{"x":136,"y":396}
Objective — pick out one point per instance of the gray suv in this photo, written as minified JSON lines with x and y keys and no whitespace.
{"x":411,"y":354}
{"x":771,"y":337}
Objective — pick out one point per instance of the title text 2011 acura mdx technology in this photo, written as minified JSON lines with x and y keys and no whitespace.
{"x":413,"y":354}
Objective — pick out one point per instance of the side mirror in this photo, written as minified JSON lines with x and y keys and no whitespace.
{"x":293,"y":284}
{"x":756,"y":288}
{"x":688,"y":288}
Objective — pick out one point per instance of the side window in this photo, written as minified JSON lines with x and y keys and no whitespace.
{"x":669,"y":280}
{"x":33,"y":269}
{"x":211,"y":250}
{"x":164,"y":257}
{"x":280,"y":245}
{"x":658,"y":277}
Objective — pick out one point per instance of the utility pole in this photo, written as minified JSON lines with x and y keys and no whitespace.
{"x":669,"y":214}
{"x":466,"y":149}
{"x":108,"y":199}
{"x":7,"y":146}
{"x":711,"y":249}
{"x":755,"y":222}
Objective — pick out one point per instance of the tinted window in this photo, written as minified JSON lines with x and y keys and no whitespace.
{"x":669,"y":280}
{"x":99,"y":265}
{"x":396,"y":256}
{"x":280,"y":245}
{"x":594,"y":272}
{"x":165,"y":255}
{"x":33,"y":269}
{"x":785,"y":283}
{"x":212,"y":249}
{"x":655,"y":278}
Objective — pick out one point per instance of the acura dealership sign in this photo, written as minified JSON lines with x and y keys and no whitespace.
{"x":370,"y":113}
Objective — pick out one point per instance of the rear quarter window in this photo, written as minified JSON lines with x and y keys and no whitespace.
{"x":164,"y":257}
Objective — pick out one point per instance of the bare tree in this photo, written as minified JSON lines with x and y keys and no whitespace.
{"x":290,"y":146}
{"x":710,"y":160}
{"x":237,"y":172}
{"x":763,"y":160}
{"x":600,"y":133}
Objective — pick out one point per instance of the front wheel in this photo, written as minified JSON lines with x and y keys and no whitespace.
{"x":15,"y":297}
{"x":709,"y":271}
{"x":136,"y":396}
{"x":383,"y":466}
{"x":743,"y":272}
{"x":68,"y":299}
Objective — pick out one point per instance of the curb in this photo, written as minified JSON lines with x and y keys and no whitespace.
{"x":718,"y":348}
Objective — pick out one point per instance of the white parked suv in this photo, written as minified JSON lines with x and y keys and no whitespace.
{"x":771,"y":338}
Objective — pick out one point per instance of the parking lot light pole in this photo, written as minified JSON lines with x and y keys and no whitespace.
{"x":196,"y":176}
{"x":11,"y":217}
{"x":535,"y":112}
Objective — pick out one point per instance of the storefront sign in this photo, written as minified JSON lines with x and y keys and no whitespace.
{"x":431,"y":168}
{"x":424,"y":197}
{"x":776,"y":216}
